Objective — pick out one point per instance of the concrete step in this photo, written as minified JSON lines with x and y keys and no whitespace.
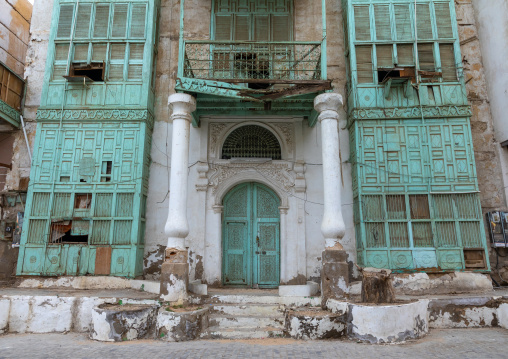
{"x":265,"y":299}
{"x":247,"y":309}
{"x":245,"y":333}
{"x":246,"y":321}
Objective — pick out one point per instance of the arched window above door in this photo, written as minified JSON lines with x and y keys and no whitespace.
{"x":251,"y":141}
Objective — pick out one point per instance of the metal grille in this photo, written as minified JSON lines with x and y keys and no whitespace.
{"x":251,"y":142}
{"x":234,"y":60}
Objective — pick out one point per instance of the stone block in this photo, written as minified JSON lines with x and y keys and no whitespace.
{"x":5,"y":306}
{"x":197,"y":287}
{"x":313,"y":324}
{"x":176,"y":256}
{"x":307,"y":290}
{"x":183,"y":326}
{"x":502,"y":315}
{"x":19,"y":314}
{"x":116,"y":323}
{"x":174,"y":282}
{"x":51,"y":314}
{"x":333,"y":255}
{"x":334,"y":280}
{"x":396,"y":323}
{"x":466,"y":312}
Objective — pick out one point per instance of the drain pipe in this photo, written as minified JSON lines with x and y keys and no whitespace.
{"x":26,"y":139}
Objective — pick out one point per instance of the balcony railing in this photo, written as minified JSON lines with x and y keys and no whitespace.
{"x":262,"y":62}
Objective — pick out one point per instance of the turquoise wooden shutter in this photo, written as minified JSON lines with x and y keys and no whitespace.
{"x":448,"y":65}
{"x":99,"y":52}
{"x":138,"y":21}
{"x":101,"y":23}
{"x":261,"y":28}
{"x":80,"y":53}
{"x":382,"y":17}
{"x":83,"y":17}
{"x":423,"y":22}
{"x":135,"y":70}
{"x":119,"y":20}
{"x":242,"y":28}
{"x":364,"y":64}
{"x":280,"y":28}
{"x":65,"y":21}
{"x":405,"y":55}
{"x":403,"y":22}
{"x":60,"y":64}
{"x":443,"y":20}
{"x":117,"y":62}
{"x":384,"y":56}
{"x":426,"y":57}
{"x":223,"y":27}
{"x":362,"y":23}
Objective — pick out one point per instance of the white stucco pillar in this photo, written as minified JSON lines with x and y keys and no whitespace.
{"x":177,"y":226}
{"x":328,"y":105}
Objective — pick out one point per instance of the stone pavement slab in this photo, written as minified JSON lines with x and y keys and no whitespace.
{"x":447,"y":343}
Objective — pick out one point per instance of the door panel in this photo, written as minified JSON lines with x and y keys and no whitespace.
{"x":251,"y":248}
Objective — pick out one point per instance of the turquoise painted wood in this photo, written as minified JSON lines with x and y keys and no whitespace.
{"x":416,"y":195}
{"x":89,"y":175}
{"x":251,"y":237}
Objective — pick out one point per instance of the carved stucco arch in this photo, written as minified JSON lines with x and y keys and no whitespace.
{"x":250,"y":176}
{"x":285,"y":151}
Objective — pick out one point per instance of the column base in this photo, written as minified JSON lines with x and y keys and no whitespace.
{"x":174,"y":277}
{"x":334,"y":275}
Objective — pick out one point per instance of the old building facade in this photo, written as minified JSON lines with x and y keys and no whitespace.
{"x":274,"y":131}
{"x":15,"y":17}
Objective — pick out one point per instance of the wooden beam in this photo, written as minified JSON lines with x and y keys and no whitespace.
{"x":295,"y":91}
{"x":273,"y":81}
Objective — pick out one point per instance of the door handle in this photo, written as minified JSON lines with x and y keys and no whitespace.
{"x":257,"y":252}
{"x":263,"y":252}
{"x":257,"y":240}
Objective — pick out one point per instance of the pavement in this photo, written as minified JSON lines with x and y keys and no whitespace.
{"x":447,"y":343}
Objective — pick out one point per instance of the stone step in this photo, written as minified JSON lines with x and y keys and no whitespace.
{"x":247,"y":309}
{"x":246,"y":321}
{"x":245,"y":333}
{"x":265,"y":299}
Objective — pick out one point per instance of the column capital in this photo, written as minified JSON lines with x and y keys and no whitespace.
{"x":328,"y":102}
{"x":182,"y":105}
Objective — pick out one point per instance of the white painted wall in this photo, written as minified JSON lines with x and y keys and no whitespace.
{"x":492,"y":24}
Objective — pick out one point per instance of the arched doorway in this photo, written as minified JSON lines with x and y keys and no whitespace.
{"x":251,"y":237}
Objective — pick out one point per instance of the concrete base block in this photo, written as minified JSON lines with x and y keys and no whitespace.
{"x":51,"y":314}
{"x":116,"y":323}
{"x":19,"y":315}
{"x":469,"y":312}
{"x":388,"y":324}
{"x":5,"y":307}
{"x":308,"y":290}
{"x":146,"y":286}
{"x":334,"y":275}
{"x":313,"y":324}
{"x":180,"y":327}
{"x":502,"y":315}
{"x":174,"y":282}
{"x":197,"y":287}
{"x":443,"y":283}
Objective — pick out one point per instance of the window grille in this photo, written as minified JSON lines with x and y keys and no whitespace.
{"x":251,"y":142}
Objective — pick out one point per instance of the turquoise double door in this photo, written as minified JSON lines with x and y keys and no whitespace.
{"x":251,"y":237}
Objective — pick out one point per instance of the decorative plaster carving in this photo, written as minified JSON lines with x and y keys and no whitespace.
{"x":97,"y":115}
{"x":278,"y":173}
{"x":216,"y":130}
{"x":287,"y":131}
{"x":411,"y":112}
{"x":10,"y":112}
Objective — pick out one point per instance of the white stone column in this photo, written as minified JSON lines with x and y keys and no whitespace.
{"x":328,"y":105}
{"x":177,"y":226}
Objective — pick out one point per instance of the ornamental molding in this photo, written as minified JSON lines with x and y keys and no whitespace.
{"x":216,"y":131}
{"x":410,"y":112}
{"x":286,"y":129}
{"x":11,"y":113}
{"x":278,"y":174}
{"x":95,"y":115}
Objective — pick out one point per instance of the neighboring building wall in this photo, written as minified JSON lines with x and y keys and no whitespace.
{"x":485,"y":25}
{"x":15,"y":17}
